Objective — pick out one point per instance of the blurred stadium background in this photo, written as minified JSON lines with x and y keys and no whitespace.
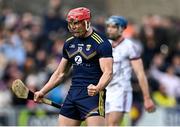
{"x":32,"y":33}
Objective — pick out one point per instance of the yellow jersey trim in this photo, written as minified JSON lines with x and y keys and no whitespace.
{"x":97,"y":38}
{"x":71,"y":55}
{"x":82,"y":53}
{"x":70,"y":38}
{"x":101,"y":103}
{"x":88,"y":57}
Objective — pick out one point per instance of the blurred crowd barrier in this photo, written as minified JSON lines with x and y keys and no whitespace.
{"x":22,"y":116}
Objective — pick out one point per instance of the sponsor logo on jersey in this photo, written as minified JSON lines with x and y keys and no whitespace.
{"x":78,"y":59}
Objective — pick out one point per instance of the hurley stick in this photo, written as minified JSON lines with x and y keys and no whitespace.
{"x":21,"y":91}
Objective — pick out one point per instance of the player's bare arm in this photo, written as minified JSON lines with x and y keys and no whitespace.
{"x":106,"y":67}
{"x":138,"y":68}
{"x":55,"y":79}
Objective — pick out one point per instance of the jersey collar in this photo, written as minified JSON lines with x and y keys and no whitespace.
{"x":116,"y":43}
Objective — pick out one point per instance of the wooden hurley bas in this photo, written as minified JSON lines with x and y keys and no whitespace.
{"x":21,"y":91}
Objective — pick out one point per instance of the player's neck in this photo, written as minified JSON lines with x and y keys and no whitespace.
{"x":117,"y":42}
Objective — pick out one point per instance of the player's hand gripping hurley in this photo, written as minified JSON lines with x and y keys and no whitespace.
{"x":21,"y":91}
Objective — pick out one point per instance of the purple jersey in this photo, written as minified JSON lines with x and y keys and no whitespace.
{"x":84,"y":54}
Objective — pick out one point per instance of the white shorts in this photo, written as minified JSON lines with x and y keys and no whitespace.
{"x":118,"y":99}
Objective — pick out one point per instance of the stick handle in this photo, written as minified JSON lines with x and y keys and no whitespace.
{"x":44,"y":100}
{"x":49,"y":102}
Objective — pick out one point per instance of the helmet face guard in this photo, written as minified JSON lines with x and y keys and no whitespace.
{"x":77,"y":16}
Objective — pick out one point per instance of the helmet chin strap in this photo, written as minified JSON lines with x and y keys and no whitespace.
{"x":87,"y":25}
{"x":70,"y":30}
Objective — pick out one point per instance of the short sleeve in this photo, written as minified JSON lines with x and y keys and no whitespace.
{"x":65,"y":55}
{"x":105,"y":49}
{"x":133,"y":51}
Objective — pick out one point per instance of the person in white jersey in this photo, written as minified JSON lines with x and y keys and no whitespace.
{"x":126,"y":56}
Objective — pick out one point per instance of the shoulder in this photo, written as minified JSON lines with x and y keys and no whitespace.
{"x":70,"y":39}
{"x":128,"y":43}
{"x":99,"y":38}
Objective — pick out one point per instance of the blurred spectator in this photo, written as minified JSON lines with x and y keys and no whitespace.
{"x":3,"y":64}
{"x":99,"y":24}
{"x":137,"y":105}
{"x":157,"y":32}
{"x":40,"y":59}
{"x":13,"y":48}
{"x":176,"y":64}
{"x":5,"y":98}
{"x":29,"y":66}
{"x":11,"y":20}
{"x":168,"y":79}
{"x":54,"y":23}
{"x":132,"y":32}
{"x":162,"y":99}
